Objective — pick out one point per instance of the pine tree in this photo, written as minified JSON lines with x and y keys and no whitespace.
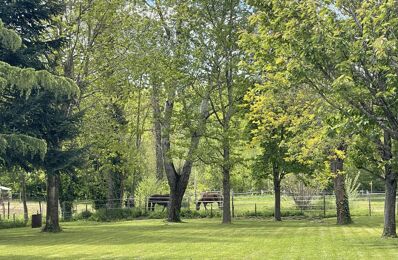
{"x":36,"y":116}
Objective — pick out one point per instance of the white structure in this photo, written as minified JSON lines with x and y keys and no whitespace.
{"x":5,"y":193}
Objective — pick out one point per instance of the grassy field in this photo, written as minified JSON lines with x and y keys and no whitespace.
{"x":203,"y":239}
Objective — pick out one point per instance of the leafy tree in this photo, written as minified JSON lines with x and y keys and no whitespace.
{"x":344,"y":50}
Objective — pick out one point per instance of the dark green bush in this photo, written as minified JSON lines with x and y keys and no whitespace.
{"x":107,"y":215}
{"x":12,"y":224}
{"x":83,"y":215}
{"x":157,"y":214}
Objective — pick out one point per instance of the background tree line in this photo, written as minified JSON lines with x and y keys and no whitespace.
{"x":101,"y":99}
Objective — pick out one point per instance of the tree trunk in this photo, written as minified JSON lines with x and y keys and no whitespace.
{"x":342,"y":205}
{"x":158,"y":134}
{"x":177,"y":191}
{"x":389,"y":204}
{"x":110,"y":194}
{"x":158,"y":151}
{"x":52,"y":217}
{"x":23,"y":197}
{"x":226,"y":210}
{"x":178,"y":180}
{"x":277,"y":192}
{"x":115,"y":190}
{"x":391,"y":190}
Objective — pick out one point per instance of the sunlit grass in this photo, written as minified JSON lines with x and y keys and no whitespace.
{"x":203,"y":238}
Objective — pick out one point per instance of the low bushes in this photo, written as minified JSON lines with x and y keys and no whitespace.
{"x":12,"y":224}
{"x":106,"y":215}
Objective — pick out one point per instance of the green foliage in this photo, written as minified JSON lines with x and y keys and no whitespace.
{"x":34,"y":21}
{"x":18,"y":223}
{"x":352,"y":185}
{"x":84,"y":215}
{"x":147,"y":187}
{"x":107,"y":215}
{"x":9,"y":39}
{"x":27,"y":80}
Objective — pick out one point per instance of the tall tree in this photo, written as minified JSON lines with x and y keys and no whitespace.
{"x":29,"y":103}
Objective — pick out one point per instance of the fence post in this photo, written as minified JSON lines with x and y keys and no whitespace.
{"x":233,"y":205}
{"x":63,"y":210}
{"x":370,"y":205}
{"x":189,"y":204}
{"x":13,"y":216}
{"x":8,"y":210}
{"x":255,"y":209}
{"x":324,"y":205}
{"x":211,"y":210}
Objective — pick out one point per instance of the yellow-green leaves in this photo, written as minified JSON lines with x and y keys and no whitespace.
{"x":9,"y":39}
{"x":25,"y":80}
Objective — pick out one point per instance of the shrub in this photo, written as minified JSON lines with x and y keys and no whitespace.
{"x":147,"y":187}
{"x":83,"y":215}
{"x":302,"y":191}
{"x":12,"y":224}
{"x":107,"y":215}
{"x":157,"y":214}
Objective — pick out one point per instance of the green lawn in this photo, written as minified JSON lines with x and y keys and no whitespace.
{"x":203,"y":238}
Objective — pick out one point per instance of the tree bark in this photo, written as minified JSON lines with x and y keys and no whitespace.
{"x":158,"y":134}
{"x":177,"y":191}
{"x":391,"y":189}
{"x":277,"y":192}
{"x":342,"y":204}
{"x":226,"y":210}
{"x":23,"y":197}
{"x":115,"y":190}
{"x":52,"y":217}
{"x":178,"y":180}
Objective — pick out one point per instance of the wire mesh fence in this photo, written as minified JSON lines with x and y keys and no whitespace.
{"x":242,"y":204}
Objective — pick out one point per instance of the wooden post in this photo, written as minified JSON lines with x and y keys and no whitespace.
{"x":233,"y":205}
{"x":211,"y":210}
{"x":13,"y":216}
{"x":370,"y":206}
{"x":86,"y":207}
{"x":324,"y":205}
{"x":255,"y":209}
{"x":189,"y":204}
{"x":8,"y":210}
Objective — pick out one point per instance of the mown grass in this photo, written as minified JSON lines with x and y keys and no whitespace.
{"x":203,"y":239}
